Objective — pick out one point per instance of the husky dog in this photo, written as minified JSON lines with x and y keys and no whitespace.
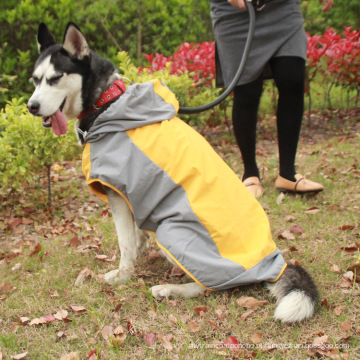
{"x":160,"y":176}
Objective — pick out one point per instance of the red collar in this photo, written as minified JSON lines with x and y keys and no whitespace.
{"x":116,"y":89}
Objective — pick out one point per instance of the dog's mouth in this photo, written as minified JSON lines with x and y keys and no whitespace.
{"x":56,"y":121}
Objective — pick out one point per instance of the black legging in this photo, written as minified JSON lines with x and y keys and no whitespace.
{"x":289,"y":75}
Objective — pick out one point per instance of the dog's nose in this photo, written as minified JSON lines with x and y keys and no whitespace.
{"x":33,"y":107}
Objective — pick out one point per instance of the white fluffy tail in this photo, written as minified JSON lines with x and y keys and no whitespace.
{"x":296,"y":295}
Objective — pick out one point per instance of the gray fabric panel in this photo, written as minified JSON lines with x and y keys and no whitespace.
{"x":160,"y":205}
{"x":138,"y":106}
{"x":278,"y":32}
{"x":266,"y":270}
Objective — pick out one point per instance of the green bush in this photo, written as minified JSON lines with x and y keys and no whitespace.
{"x":28,"y":150}
{"x":138,"y":27}
{"x":183,"y":86}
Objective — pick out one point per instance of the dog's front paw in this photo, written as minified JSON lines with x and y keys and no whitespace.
{"x":161,"y":291}
{"x":115,"y":277}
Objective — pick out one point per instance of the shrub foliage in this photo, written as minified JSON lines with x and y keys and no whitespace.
{"x":27,"y":150}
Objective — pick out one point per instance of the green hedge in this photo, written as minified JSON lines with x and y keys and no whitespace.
{"x":27,"y":149}
{"x":137,"y":27}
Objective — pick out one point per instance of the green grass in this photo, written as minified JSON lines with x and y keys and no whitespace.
{"x":45,"y":285}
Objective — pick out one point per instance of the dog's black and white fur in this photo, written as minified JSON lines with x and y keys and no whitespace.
{"x":71,"y":77}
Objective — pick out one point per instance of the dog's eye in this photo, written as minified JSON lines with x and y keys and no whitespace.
{"x":35,"y":80}
{"x":54,"y":79}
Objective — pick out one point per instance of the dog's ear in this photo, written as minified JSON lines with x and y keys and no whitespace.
{"x":75,"y":43}
{"x":44,"y":37}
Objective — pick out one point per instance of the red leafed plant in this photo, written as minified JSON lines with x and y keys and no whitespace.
{"x":343,"y":59}
{"x":333,"y":58}
{"x":336,"y":57}
{"x":197,"y":59}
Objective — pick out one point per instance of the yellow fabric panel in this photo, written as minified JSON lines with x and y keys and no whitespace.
{"x":96,"y":187}
{"x":235,"y":220}
{"x":164,"y":92}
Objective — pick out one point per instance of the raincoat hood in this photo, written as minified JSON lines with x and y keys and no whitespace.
{"x":140,"y":105}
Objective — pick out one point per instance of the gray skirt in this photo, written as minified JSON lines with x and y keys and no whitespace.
{"x":278,"y":32}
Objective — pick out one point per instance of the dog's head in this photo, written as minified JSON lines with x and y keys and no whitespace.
{"x":59,"y":77}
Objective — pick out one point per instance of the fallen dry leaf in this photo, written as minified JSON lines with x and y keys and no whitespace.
{"x":74,"y":242}
{"x":349,"y":275}
{"x":335,"y":269}
{"x":42,"y":320}
{"x":26,"y":221}
{"x":296,"y":229}
{"x":350,"y":249}
{"x":265,"y":206}
{"x":60,"y":334}
{"x":16,"y":267}
{"x":325,"y":304}
{"x":219,"y":314}
{"x":107,"y":332}
{"x":312,"y":210}
{"x":213,"y":325}
{"x":255,"y":338}
{"x":292,"y":249}
{"x":319,"y":341}
{"x":23,"y":320}
{"x":119,"y":336}
{"x":36,"y":250}
{"x":61,"y":315}
{"x":286,"y":235}
{"x":20,"y":356}
{"x":232,"y":343}
{"x":176,"y":271}
{"x":194,"y":326}
{"x":71,"y":356}
{"x":198,"y":309}
{"x":280,"y":198}
{"x":103,"y":258}
{"x":93,"y":355}
{"x":54,"y":294}
{"x":345,"y":326}
{"x":294,"y":262}
{"x":150,"y":339}
{"x":154,"y":255}
{"x":113,"y":337}
{"x":250,"y":302}
{"x":246,"y":314}
{"x":6,"y":288}
{"x":290,"y":218}
{"x":346,"y":283}
{"x":131,"y":327}
{"x":355,"y":267}
{"x":77,"y":309}
{"x":166,"y":341}
{"x":338,"y":310}
{"x":346,"y":227}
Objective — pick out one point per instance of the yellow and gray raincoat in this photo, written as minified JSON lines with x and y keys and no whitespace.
{"x":178,"y":188}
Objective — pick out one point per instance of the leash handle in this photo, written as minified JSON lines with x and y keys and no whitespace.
{"x":226,"y":93}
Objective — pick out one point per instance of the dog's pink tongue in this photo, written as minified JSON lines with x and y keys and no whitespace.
{"x":58,"y":123}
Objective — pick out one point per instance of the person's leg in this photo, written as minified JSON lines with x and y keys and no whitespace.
{"x":244,"y":117}
{"x":289,"y":76}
